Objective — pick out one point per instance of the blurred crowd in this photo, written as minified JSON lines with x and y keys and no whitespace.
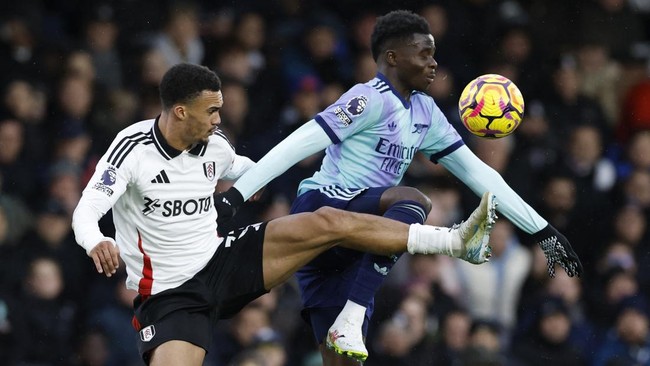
{"x":76,"y":72}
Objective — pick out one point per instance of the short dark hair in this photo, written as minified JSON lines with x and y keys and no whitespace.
{"x":184,"y":82}
{"x":398,"y":24}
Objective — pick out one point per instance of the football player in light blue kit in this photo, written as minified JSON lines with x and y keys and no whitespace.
{"x":371,"y":135}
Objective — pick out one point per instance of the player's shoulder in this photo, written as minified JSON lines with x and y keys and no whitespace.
{"x":361,"y":95}
{"x":219,"y":138}
{"x":379,"y":84}
{"x":138,"y":128}
{"x":373,"y":89}
{"x":130,"y":141}
{"x":425,"y":100}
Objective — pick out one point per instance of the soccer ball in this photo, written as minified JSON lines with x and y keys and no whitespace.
{"x":491,"y":106}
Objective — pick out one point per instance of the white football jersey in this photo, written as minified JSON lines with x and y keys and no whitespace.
{"x":162,"y":201}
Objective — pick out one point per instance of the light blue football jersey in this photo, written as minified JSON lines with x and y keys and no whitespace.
{"x":376,"y":134}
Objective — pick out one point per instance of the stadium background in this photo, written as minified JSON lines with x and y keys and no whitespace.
{"x":76,"y":72}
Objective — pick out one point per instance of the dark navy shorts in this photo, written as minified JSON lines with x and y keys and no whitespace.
{"x":232,"y":278}
{"x":325,"y":281}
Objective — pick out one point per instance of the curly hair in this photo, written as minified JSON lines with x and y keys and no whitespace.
{"x":184,"y":82}
{"x":396,"y":25}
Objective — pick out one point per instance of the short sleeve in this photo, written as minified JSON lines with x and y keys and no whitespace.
{"x":442,"y":138}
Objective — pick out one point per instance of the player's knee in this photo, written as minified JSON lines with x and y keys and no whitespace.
{"x":396,"y":194}
{"x":330,"y":219}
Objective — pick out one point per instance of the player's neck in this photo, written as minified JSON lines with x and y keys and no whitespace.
{"x":394,"y":81}
{"x":171,"y":132}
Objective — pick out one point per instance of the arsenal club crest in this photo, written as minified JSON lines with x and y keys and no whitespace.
{"x":208,"y":169}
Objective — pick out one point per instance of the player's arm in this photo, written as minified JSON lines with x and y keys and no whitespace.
{"x":480,"y":177}
{"x":240,"y":165}
{"x":104,"y":188}
{"x":85,"y":223}
{"x":307,"y":140}
{"x":356,"y":110}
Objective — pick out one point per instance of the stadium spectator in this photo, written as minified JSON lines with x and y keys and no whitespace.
{"x":50,"y":320}
{"x":584,"y":159}
{"x":606,"y":296}
{"x":52,"y":237}
{"x":153,"y":66}
{"x":548,"y":340}
{"x":635,"y":190}
{"x":601,"y":78}
{"x":19,"y":176}
{"x":112,"y":317}
{"x":493,"y":290}
{"x":179,"y":39}
{"x":27,"y":103}
{"x":486,"y":346}
{"x":63,"y":184}
{"x":404,"y":339}
{"x":101,"y":33}
{"x":239,"y":335}
{"x":628,"y":341}
{"x":612,"y":22}
{"x":635,"y":113}
{"x":636,"y":154}
{"x":567,"y":106}
{"x":320,"y":51}
{"x":565,"y":292}
{"x":453,"y":338}
{"x":235,"y":114}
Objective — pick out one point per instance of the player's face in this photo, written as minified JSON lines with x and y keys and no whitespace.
{"x":204,"y":116}
{"x":416,"y":67}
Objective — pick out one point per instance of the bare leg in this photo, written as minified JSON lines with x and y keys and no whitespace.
{"x":177,"y":353}
{"x":292,"y":241}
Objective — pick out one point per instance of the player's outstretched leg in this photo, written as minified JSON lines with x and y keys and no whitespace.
{"x":468,"y":241}
{"x":292,"y":241}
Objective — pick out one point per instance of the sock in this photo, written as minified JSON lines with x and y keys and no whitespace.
{"x":374,"y":268}
{"x":352,"y":312}
{"x":426,"y":239}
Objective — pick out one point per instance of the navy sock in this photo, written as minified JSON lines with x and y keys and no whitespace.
{"x":374,"y":268}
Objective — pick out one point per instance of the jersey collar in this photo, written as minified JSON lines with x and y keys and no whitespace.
{"x":383,"y":78}
{"x":166,"y":150}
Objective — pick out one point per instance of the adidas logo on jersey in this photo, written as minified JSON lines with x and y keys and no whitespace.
{"x":161,"y":178}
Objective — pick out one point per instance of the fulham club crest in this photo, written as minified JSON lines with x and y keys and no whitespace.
{"x":147,"y":333}
{"x":208,"y":170}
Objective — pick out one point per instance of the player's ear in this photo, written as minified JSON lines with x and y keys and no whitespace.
{"x":390,"y":57}
{"x":179,"y":111}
